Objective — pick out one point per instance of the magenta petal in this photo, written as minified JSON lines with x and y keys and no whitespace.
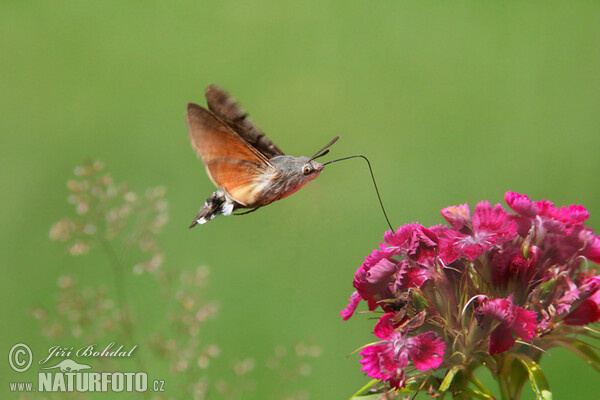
{"x":573,"y":214}
{"x":373,"y":278}
{"x":592,"y":250}
{"x":514,"y":319}
{"x":412,"y":277}
{"x":491,"y":226}
{"x":426,"y":350}
{"x":468,"y":246}
{"x":379,"y":254}
{"x":379,"y":362}
{"x":399,"y":238}
{"x":426,"y":237}
{"x":570,"y":294}
{"x":586,"y":313}
{"x":520,"y":204}
{"x":501,"y":339}
{"x":498,"y":309}
{"x":525,"y":323}
{"x":544,"y":208}
{"x":446,"y":250}
{"x":384,"y":327}
{"x":422,"y":247}
{"x":488,"y":219}
{"x":591,"y":286}
{"x":458,"y":216}
{"x":351,"y":307}
{"x":500,"y":265}
{"x":382,"y":271}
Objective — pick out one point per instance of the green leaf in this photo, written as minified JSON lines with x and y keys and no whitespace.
{"x":449,"y":377}
{"x":583,"y":350}
{"x":374,"y":396}
{"x":475,"y":393}
{"x":589,"y":329}
{"x":363,"y":389}
{"x":538,"y":380}
{"x":518,"y":376}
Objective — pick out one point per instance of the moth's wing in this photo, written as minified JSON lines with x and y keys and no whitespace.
{"x":231,"y":163}
{"x":229,"y":110}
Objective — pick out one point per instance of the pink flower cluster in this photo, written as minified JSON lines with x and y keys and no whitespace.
{"x":460,"y":293}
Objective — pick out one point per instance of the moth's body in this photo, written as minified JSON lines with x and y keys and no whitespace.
{"x":249,"y":170}
{"x":268,"y":188}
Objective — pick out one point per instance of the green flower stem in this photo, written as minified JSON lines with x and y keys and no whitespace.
{"x":467,"y":372}
{"x":504,"y":387}
{"x":122,"y":302}
{"x":119,"y":288}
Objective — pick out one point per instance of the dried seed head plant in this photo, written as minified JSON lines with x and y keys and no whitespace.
{"x":118,"y":221}
{"x":110,"y":214}
{"x":495,"y":289}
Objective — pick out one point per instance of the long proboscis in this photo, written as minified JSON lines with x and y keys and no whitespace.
{"x":372,"y":177}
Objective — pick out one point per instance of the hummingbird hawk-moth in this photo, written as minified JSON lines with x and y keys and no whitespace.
{"x":249,"y":170}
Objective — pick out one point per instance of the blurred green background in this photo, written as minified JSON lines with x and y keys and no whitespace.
{"x":452,"y":102}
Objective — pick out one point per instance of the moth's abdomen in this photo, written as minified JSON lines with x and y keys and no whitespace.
{"x":218,"y":203}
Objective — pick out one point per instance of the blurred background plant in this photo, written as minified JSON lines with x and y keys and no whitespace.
{"x":116,"y":220}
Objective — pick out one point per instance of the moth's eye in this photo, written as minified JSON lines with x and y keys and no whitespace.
{"x":306,"y":170}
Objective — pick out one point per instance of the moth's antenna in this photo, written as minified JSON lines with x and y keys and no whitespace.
{"x":320,"y":155}
{"x":372,"y":177}
{"x":324,"y":150}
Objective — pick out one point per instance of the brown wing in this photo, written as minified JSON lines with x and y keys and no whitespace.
{"x":229,"y":110}
{"x":230,"y":162}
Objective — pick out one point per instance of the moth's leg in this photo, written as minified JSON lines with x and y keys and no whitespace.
{"x":247,"y":212}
